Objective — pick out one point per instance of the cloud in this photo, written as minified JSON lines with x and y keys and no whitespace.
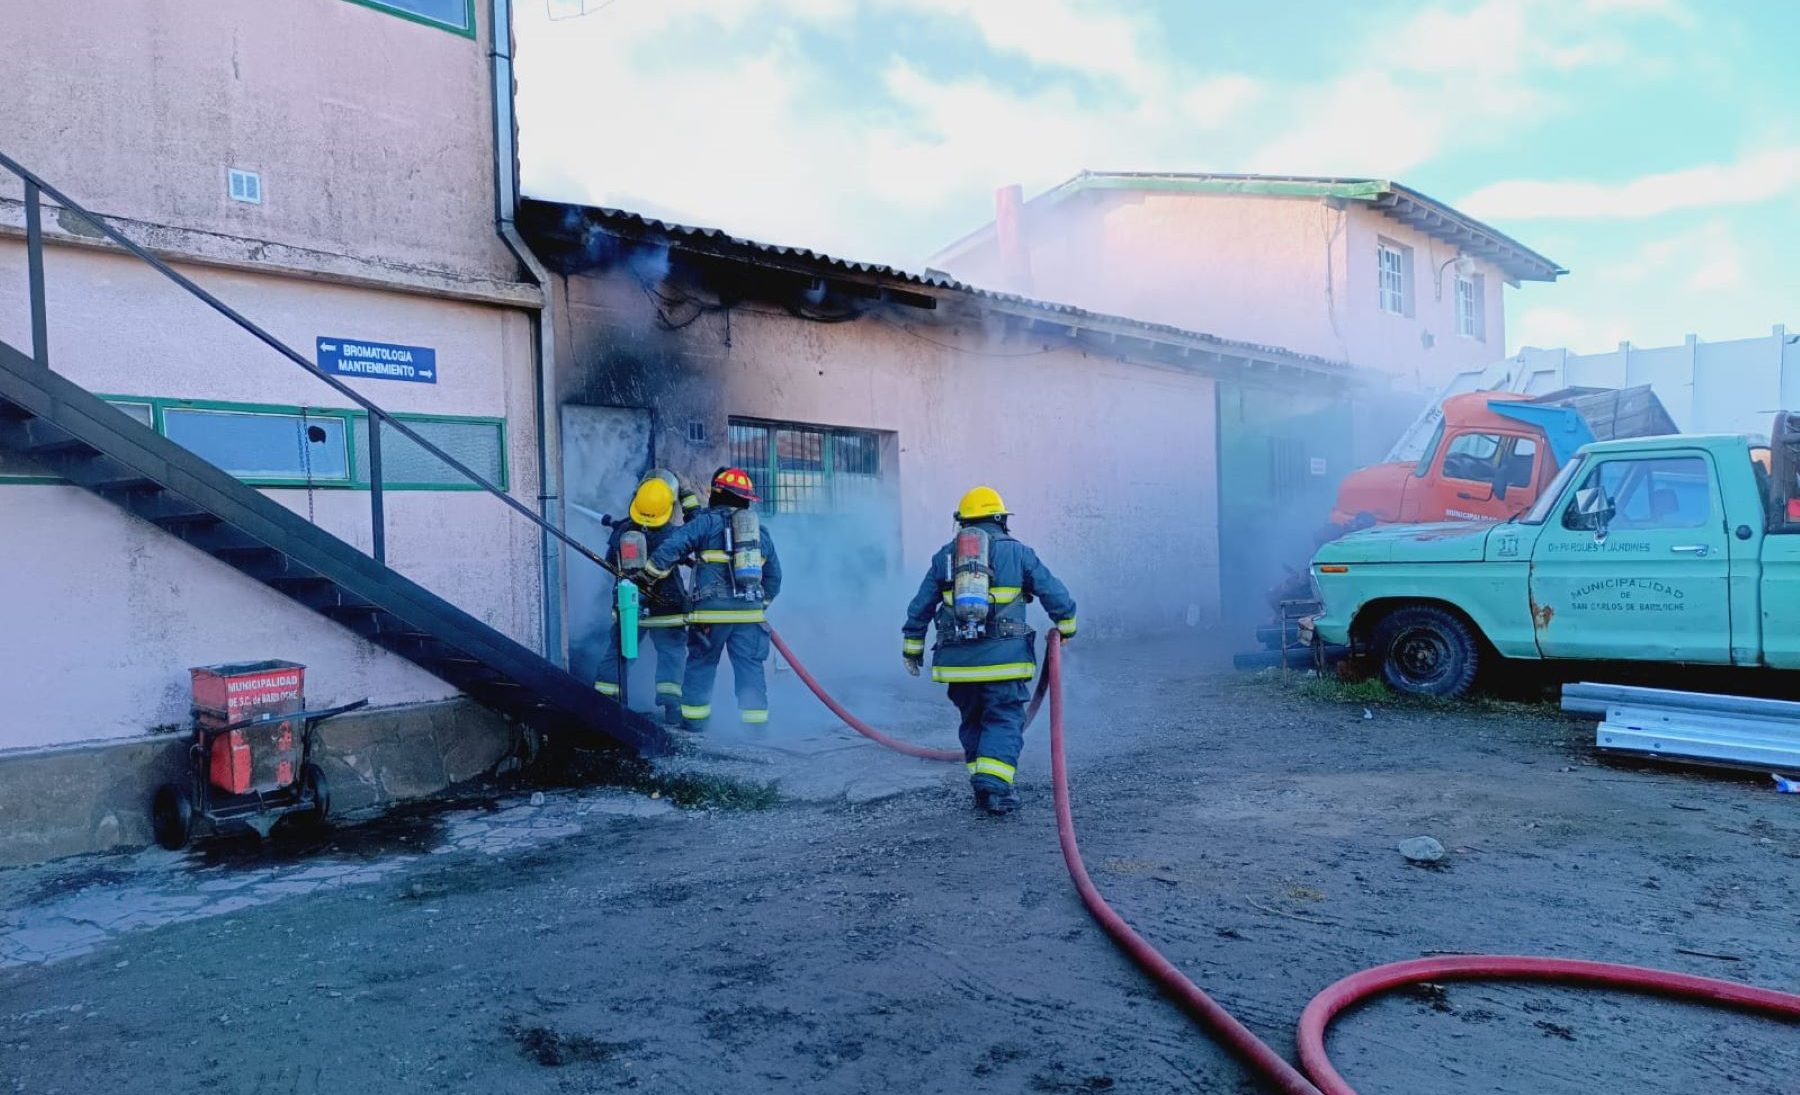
{"x":1757,"y":177}
{"x":1092,"y":39}
{"x":1448,"y":77}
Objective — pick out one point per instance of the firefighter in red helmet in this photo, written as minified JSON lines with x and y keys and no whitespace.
{"x":736,"y":576}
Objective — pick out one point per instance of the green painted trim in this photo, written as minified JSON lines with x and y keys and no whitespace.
{"x":426,"y":21}
{"x":31,"y":481}
{"x":353,"y":481}
{"x":1350,"y":190}
{"x":504,"y":481}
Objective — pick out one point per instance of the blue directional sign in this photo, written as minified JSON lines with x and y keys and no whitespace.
{"x":378,"y":360}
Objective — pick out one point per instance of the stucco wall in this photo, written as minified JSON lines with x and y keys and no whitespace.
{"x":1294,"y":273}
{"x":1395,"y":344}
{"x":1110,"y":466}
{"x":372,"y":133}
{"x":120,"y":605}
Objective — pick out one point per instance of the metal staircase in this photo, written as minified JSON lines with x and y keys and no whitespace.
{"x":49,"y":420}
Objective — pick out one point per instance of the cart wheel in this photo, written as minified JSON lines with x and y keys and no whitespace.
{"x":313,"y":779}
{"x":172,"y":817}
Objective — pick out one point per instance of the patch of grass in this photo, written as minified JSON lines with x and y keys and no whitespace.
{"x":617,"y":768}
{"x":553,"y":1049}
{"x":1373,"y":692}
{"x":1335,"y":690}
{"x":717,"y":792}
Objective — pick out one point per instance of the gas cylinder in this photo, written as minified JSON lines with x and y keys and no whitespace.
{"x":634,"y":551}
{"x":970,"y":579}
{"x":745,"y":534}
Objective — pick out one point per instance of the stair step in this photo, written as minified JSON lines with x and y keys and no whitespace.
{"x":280,"y":571}
{"x":133,"y":485}
{"x":172,"y":521}
{"x":12,"y":412}
{"x":62,"y":446}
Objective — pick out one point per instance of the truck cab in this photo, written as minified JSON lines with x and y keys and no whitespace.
{"x":1492,"y":453}
{"x":1669,"y":549}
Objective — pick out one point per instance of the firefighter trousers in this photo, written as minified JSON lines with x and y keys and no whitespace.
{"x":748,"y":647}
{"x":993,"y":729}
{"x":671,"y":659}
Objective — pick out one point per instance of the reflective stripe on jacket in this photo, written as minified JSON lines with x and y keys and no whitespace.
{"x":1007,"y":652}
{"x":702,"y":541}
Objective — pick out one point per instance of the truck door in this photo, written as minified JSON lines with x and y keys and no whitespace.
{"x":1483,"y":476}
{"x":1647,"y":581}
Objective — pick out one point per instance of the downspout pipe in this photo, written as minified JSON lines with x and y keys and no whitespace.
{"x":543,"y":354}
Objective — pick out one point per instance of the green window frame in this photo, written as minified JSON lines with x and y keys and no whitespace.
{"x":400,"y":8}
{"x":802,"y":468}
{"x":352,"y":427}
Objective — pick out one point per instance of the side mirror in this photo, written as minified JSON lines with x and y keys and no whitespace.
{"x":1593,"y":510}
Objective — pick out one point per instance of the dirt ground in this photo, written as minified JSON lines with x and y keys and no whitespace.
{"x":900,"y":943}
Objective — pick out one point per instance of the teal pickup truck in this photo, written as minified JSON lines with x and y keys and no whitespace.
{"x":1679,"y":548}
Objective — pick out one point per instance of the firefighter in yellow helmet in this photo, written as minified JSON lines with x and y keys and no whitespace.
{"x":664,"y":612}
{"x":975,"y":594}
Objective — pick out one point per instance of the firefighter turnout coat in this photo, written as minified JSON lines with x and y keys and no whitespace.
{"x":1007,"y":652}
{"x":712,"y":593}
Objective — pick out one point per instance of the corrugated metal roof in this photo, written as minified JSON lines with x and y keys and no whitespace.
{"x":1402,"y":203}
{"x":538,"y":218}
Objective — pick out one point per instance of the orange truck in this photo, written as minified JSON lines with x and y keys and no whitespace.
{"x":1492,"y":452}
{"x":1489,"y":456}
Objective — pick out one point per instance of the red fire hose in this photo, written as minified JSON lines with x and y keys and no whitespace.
{"x":1358,"y":988}
{"x":867,"y":731}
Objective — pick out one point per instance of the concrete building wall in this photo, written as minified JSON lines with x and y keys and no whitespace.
{"x":372,"y":136}
{"x":119,"y":610}
{"x":1290,"y":272}
{"x":1423,"y":349}
{"x":372,"y":133}
{"x":1109,"y":465}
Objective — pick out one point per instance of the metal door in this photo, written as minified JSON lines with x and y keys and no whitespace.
{"x":605,"y":452}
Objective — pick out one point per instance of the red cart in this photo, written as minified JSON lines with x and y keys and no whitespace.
{"x":251,"y":758}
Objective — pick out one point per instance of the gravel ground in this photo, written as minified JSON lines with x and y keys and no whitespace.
{"x":904,"y":944}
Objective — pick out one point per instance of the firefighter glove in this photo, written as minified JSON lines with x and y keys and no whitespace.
{"x":913,"y":662}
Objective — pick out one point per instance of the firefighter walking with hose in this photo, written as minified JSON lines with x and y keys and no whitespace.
{"x":736,"y":576}
{"x":664,"y":613}
{"x":975,"y":594}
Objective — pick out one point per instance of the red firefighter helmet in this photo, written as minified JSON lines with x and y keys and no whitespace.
{"x":733,"y":481}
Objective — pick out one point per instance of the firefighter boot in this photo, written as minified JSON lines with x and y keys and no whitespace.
{"x":1002,"y":802}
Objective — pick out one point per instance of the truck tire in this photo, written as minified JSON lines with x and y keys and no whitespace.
{"x":1424,"y":650}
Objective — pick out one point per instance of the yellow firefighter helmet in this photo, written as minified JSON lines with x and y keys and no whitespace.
{"x":653,"y":503}
{"x":980,"y":503}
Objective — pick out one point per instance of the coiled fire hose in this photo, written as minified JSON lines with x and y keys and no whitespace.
{"x":1315,"y":1020}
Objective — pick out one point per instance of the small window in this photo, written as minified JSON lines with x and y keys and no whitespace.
{"x":244,"y":186}
{"x":264,"y":446}
{"x":478,"y":443}
{"x":1288,"y":471}
{"x":1664,"y":493}
{"x":144,"y":413}
{"x":1518,"y":469}
{"x":1471,"y":297}
{"x":1472,"y":457}
{"x":1394,"y":266}
{"x":453,"y":15}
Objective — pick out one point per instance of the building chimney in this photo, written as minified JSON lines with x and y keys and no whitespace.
{"x":1009,"y":231}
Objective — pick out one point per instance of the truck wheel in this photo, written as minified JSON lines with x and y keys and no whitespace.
{"x":1426,"y":651}
{"x":171,"y":817}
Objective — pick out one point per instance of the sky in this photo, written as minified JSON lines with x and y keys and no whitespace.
{"x":1652,"y":147}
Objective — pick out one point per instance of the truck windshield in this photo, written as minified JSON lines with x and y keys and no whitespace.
{"x":1431,"y":448}
{"x":1540,"y":509}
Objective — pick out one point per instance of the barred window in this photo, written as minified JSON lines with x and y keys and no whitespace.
{"x":806,"y":469}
